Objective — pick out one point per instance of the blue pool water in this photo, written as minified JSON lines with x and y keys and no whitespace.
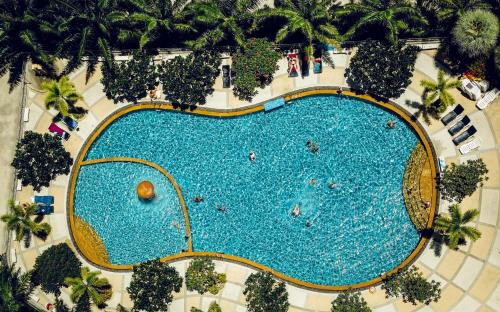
{"x":359,"y":229}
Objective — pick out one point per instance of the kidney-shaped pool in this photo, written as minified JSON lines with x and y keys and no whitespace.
{"x":352,"y":224}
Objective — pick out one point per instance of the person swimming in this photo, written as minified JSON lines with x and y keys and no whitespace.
{"x":313,"y":182}
{"x":198,"y":199}
{"x":221,"y":208}
{"x":296,"y":210}
{"x":252,"y":156}
{"x":391,"y":124}
{"x":332,"y":184}
{"x":309,"y":223}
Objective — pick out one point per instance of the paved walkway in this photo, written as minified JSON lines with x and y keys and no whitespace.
{"x":469,"y":276}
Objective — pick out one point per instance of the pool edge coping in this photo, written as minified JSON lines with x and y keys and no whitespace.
{"x":253,"y":108}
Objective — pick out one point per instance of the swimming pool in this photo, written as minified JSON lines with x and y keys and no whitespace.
{"x":358,"y":229}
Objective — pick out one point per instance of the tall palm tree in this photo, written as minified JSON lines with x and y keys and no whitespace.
{"x":436,"y":93}
{"x":21,"y":31}
{"x":455,"y":225}
{"x":220,"y":20}
{"x":89,"y":285}
{"x":158,"y":17}
{"x":15,"y":288}
{"x":19,"y":220}
{"x":395,"y":16}
{"x":61,"y":95}
{"x":310,"y":18}
{"x":89,"y":30}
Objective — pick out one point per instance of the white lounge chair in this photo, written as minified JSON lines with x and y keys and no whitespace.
{"x":489,"y":97}
{"x":26,"y":114}
{"x":442,"y":164}
{"x":13,"y":256}
{"x":468,"y":147}
{"x":19,"y":185}
{"x":470,"y":89}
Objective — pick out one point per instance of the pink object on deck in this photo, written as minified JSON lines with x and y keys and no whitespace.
{"x":57,"y":130}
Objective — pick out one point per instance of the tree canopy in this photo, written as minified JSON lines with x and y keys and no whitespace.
{"x":350,"y":302}
{"x":254,"y":68}
{"x":152,"y":285}
{"x":39,"y":159}
{"x":263,"y":293}
{"x":462,"y":180}
{"x":412,"y":286}
{"x":53,"y":266}
{"x":202,"y":277}
{"x":476,"y":33}
{"x":15,"y":288}
{"x":455,"y":227}
{"x":382,"y":70}
{"x":187,"y":81}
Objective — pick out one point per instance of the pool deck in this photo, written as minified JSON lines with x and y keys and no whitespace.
{"x":470,"y":276}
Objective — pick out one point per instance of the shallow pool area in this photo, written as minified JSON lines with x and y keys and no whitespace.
{"x":346,"y":234}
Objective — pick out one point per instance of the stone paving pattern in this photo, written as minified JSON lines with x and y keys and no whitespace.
{"x":469,"y":276}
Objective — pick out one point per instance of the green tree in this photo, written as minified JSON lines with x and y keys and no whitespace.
{"x":152,"y":285}
{"x":39,"y":159}
{"x":381,"y":69}
{"x":193,"y":309}
{"x":15,"y":288}
{"x":254,"y":68}
{"x":220,"y":21}
{"x":412,"y":286}
{"x":60,"y":306}
{"x":455,"y":226}
{"x":53,"y":266}
{"x":214,"y":307}
{"x":451,"y":10}
{"x":157,"y":18}
{"x":187,"y":81}
{"x":476,"y":33}
{"x":263,"y":293}
{"x":19,"y":220}
{"x":21,"y":33}
{"x":202,"y":277}
{"x":462,"y":180}
{"x":89,"y":285}
{"x":129,"y":81}
{"x":62,"y":96}
{"x":89,"y":30}
{"x":395,"y":17}
{"x":311,"y":19}
{"x":350,"y":302}
{"x":436,"y":94}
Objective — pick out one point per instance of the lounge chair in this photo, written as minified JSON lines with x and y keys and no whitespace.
{"x":292,"y":65}
{"x":489,"y":97}
{"x":57,"y":130}
{"x":442,"y":164}
{"x":456,"y":128}
{"x":467,"y":147}
{"x":470,"y":89}
{"x":226,"y":76}
{"x":465,"y":135}
{"x":68,"y":121}
{"x":453,"y":114}
{"x":44,"y":209}
{"x":304,"y":65}
{"x":44,"y":200}
{"x":318,"y":65}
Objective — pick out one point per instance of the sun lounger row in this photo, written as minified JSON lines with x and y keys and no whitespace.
{"x":44,"y":204}
{"x":488,"y":98}
{"x":465,"y":135}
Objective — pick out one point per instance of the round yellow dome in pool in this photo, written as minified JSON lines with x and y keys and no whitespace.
{"x":145,"y":190}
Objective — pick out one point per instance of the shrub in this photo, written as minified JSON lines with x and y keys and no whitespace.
{"x":152,"y":285}
{"x":39,"y":159}
{"x":462,"y":180}
{"x":350,"y":301}
{"x":129,"y":80}
{"x":214,"y":307}
{"x":201,"y":277}
{"x":476,"y":33}
{"x":382,"y":70}
{"x":193,"y":309}
{"x":254,"y":68}
{"x":412,"y":286}
{"x":497,"y":59}
{"x":187,"y":81}
{"x":263,"y":293}
{"x":53,"y":266}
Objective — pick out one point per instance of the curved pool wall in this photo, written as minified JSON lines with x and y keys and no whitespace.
{"x":378,"y":241}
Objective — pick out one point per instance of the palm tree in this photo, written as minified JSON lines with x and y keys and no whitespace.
{"x":19,"y":220}
{"x":455,"y":225}
{"x":450,"y":10}
{"x":220,"y":20}
{"x":395,"y":16}
{"x":89,"y":285}
{"x":61,"y":95}
{"x":436,"y":93}
{"x":158,"y":17}
{"x":310,"y":18}
{"x":15,"y":288}
{"x":21,"y":31}
{"x":89,"y":30}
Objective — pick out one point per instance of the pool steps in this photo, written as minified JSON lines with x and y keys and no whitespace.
{"x":273,"y":104}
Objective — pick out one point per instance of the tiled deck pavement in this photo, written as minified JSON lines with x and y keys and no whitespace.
{"x":469,"y":277}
